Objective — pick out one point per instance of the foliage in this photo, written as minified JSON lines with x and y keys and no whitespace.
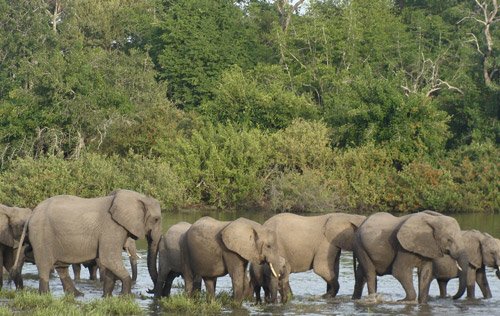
{"x":179,"y":303}
{"x":197,"y":40}
{"x":358,"y":105}
{"x":223,"y":164}
{"x":46,"y":304}
{"x":31,"y":181}
{"x":261,"y":100}
{"x":306,"y":191}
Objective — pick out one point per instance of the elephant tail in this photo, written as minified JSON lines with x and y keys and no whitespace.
{"x":16,"y":268}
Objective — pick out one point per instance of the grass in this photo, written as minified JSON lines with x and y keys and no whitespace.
{"x":196,"y":305}
{"x":31,"y":302}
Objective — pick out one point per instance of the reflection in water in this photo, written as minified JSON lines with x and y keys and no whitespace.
{"x":308,"y":287}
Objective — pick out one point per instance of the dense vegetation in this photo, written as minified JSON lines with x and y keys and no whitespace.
{"x":360,"y":105}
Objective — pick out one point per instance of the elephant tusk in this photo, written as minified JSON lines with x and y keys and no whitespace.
{"x":272,"y":270}
{"x":458,"y":267}
{"x":128,"y":253}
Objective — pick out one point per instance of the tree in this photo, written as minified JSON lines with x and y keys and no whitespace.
{"x":198,"y":39}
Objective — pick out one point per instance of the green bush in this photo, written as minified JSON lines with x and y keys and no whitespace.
{"x":302,"y":145}
{"x":307,"y":191}
{"x":474,"y":170}
{"x":361,"y":176}
{"x":421,"y":186}
{"x":223,"y":165}
{"x":29,"y":181}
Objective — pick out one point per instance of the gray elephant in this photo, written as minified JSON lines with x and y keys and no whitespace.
{"x":12,"y":220}
{"x":169,"y":260}
{"x":482,"y":251}
{"x":68,"y":229}
{"x":386,"y":244}
{"x":315,"y":242}
{"x":261,"y":277}
{"x":212,"y":249}
{"x":93,"y":266}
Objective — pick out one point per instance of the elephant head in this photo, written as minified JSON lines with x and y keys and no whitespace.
{"x":252,"y":241}
{"x":12,"y":220}
{"x":140,"y":215}
{"x":431,"y":235}
{"x":488,"y":253}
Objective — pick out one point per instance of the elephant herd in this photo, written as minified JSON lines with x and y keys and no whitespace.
{"x":68,"y":230}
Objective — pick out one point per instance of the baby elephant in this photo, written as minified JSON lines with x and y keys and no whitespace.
{"x":482,"y":251}
{"x":261,"y":275}
{"x":170,"y":265}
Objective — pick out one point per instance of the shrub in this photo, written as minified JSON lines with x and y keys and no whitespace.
{"x":474,"y":170}
{"x":29,"y":181}
{"x":361,"y":176}
{"x":309,"y":191}
{"x":421,"y":186}
{"x":223,"y":164}
{"x":302,"y":145}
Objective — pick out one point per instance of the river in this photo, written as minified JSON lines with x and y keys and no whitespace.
{"x":308,"y":287}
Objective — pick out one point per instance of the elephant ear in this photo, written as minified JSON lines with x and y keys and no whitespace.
{"x":128,"y":210}
{"x":474,"y":247}
{"x":6,"y":236}
{"x":340,"y":229}
{"x":416,"y":235}
{"x":240,"y":236}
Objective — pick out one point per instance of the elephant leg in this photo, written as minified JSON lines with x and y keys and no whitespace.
{"x":167,"y":286}
{"x":365,"y":273}
{"x":256,"y":290}
{"x":482,"y":281}
{"x":109,"y":282}
{"x":197,"y":283}
{"x":402,"y":270}
{"x":44,"y":270}
{"x":1,"y":267}
{"x":8,"y":262}
{"x":67,"y":283}
{"x":424,"y":281}
{"x":359,"y":283}
{"x":113,"y":264}
{"x":76,"y":270}
{"x":237,"y":274}
{"x":210,"y":286}
{"x":442,"y":288}
{"x":471,"y":283}
{"x":325,"y":265}
{"x":93,"y":271}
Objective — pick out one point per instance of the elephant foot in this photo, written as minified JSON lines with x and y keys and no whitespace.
{"x":75,"y":293}
{"x":329,"y":295}
{"x":407,"y":300}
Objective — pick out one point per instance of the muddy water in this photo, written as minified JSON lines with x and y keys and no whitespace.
{"x":307,"y":287}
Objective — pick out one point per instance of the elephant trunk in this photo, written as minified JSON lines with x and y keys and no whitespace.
{"x":463,"y":263}
{"x":153,"y":242}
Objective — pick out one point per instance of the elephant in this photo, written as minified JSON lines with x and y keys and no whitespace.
{"x":315,"y":242}
{"x":93,"y":266}
{"x":169,"y":260}
{"x":212,"y":248}
{"x":12,"y":220}
{"x":68,"y":229}
{"x":482,"y":251}
{"x":261,"y":277}
{"x":385,"y":244}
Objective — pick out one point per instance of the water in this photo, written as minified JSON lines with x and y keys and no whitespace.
{"x":308,"y":287}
